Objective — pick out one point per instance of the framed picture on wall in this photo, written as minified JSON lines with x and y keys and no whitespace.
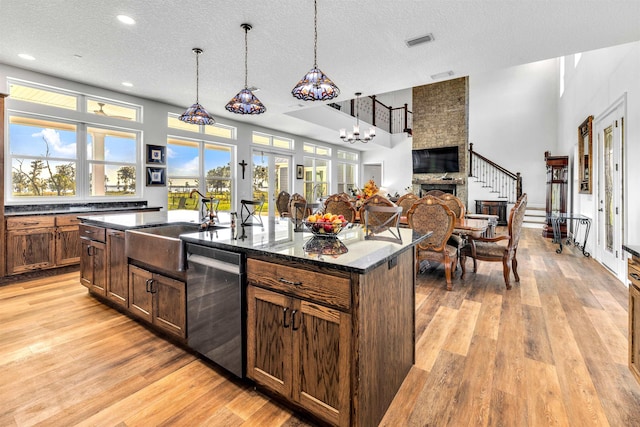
{"x":155,"y":176}
{"x":155,"y":154}
{"x":299,"y":171}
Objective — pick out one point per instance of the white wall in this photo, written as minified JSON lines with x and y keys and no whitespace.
{"x":396,"y":163}
{"x":513,"y":121}
{"x":602,"y":77}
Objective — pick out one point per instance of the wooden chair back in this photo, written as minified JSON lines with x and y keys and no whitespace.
{"x":336,"y":204}
{"x":435,"y":193}
{"x":406,"y":201}
{"x":297,"y":207}
{"x":430,"y":214}
{"x":282,"y":203}
{"x":454,"y":204}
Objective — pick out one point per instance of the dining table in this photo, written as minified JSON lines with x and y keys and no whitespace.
{"x":470,"y":227}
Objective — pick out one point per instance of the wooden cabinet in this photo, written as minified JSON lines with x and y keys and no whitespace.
{"x":557,"y":191}
{"x":30,"y":243}
{"x":117,"y":269}
{"x":39,"y":242}
{"x":296,"y":347}
{"x":634,"y":316}
{"x":159,"y":300}
{"x":493,"y":207}
{"x":93,"y":259}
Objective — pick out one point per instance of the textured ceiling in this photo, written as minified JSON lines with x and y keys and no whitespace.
{"x":361,"y":44}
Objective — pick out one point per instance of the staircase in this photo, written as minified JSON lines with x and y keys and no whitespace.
{"x":490,"y":181}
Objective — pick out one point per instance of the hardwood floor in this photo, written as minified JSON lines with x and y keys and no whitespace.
{"x":551,"y":351}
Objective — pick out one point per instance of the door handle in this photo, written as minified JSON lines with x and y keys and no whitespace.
{"x":284,"y":317}
{"x":293,"y":321}
{"x":600,"y":210}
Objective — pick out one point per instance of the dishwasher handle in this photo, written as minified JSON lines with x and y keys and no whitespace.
{"x":213,"y":263}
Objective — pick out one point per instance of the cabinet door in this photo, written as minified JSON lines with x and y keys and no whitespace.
{"x":98,"y":255}
{"x":321,"y":346}
{"x":269,"y":355}
{"x":67,"y":245}
{"x":140,"y":298}
{"x":86,"y":263}
{"x":30,"y":249}
{"x":117,"y":269}
{"x":170,"y":305}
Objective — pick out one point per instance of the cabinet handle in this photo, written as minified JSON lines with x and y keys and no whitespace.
{"x":284,"y":317}
{"x":293,"y":321}
{"x":289,"y":282}
{"x":146,"y":285}
{"x":151,"y":281}
{"x":635,"y":276}
{"x":89,"y":250}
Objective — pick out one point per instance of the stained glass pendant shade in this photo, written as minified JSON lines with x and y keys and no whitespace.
{"x":245,"y":102}
{"x":315,"y":85}
{"x":196,"y":114}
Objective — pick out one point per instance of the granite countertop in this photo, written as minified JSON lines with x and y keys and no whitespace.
{"x":275,"y":238}
{"x":59,"y":209}
{"x":632,"y":249}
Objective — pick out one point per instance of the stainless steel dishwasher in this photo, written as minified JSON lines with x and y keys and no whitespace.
{"x":215,"y":306}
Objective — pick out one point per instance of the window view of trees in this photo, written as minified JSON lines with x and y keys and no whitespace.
{"x":185,"y":173}
{"x":45,"y":155}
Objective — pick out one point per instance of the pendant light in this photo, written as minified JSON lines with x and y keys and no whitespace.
{"x":245,"y":102}
{"x":354,"y":136}
{"x":196,"y":114}
{"x":315,"y":85}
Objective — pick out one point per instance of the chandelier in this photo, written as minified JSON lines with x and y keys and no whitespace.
{"x":196,"y":114}
{"x":354,"y":136}
{"x":315,"y":85}
{"x":245,"y":102}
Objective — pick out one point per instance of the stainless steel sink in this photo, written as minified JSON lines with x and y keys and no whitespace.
{"x":159,"y":247}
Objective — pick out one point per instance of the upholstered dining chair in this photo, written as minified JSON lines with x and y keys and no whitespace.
{"x":430,"y":214}
{"x":376,"y":200}
{"x":282,"y":203}
{"x":336,"y":204}
{"x":503,"y":248}
{"x":435,"y":193}
{"x":456,"y":205}
{"x":405,"y":202}
{"x":297,"y":208}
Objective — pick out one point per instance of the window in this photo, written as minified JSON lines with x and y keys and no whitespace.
{"x":347,"y":171}
{"x":219,"y":130}
{"x":45,"y":95}
{"x":43,"y":157}
{"x":273,"y":141}
{"x":47,"y":161}
{"x":114,"y":110}
{"x":316,"y":171}
{"x":198,"y":165}
{"x":111,"y":158}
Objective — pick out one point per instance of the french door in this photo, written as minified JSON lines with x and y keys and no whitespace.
{"x":270,"y":174}
{"x":610,"y":132}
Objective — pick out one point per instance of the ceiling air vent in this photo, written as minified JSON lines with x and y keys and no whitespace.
{"x":419,"y":40}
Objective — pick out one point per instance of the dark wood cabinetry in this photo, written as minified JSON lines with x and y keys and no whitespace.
{"x":93,"y":259}
{"x":117,"y":269}
{"x":159,"y":300}
{"x":493,"y":207}
{"x":314,"y":336}
{"x":634,"y":316}
{"x":557,"y":191}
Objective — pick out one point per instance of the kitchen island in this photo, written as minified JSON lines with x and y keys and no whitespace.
{"x":329,"y":329}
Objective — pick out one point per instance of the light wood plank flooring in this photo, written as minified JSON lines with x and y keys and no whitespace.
{"x":552,"y":351}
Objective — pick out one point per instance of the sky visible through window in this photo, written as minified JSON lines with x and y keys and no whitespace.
{"x":183,"y":158}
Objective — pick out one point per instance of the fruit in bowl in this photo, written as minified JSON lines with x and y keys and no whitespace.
{"x":325,"y":224}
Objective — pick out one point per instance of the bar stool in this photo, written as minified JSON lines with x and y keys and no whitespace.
{"x":251,"y":209}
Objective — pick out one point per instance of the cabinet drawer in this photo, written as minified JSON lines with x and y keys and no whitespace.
{"x":319,"y":287}
{"x":92,"y":232}
{"x":42,"y":221}
{"x":63,"y":220}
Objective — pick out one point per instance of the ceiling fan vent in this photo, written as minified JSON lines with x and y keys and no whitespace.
{"x":419,"y":40}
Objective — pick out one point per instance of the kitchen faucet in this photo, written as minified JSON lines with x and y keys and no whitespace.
{"x":206,"y":210}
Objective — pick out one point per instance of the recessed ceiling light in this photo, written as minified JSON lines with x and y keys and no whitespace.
{"x":26,"y":56}
{"x":126,"y":19}
{"x":419,"y":40}
{"x":127,"y":84}
{"x":442,"y":75}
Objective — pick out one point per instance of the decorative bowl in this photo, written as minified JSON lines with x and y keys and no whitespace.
{"x":325,"y":229}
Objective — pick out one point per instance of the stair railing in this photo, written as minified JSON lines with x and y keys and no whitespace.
{"x":504,"y":183}
{"x":374,"y":112}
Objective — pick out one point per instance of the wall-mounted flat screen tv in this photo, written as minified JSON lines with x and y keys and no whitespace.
{"x":436,"y":160}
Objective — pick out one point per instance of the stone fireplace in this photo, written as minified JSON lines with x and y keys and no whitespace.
{"x":441,"y":119}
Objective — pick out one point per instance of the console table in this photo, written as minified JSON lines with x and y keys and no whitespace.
{"x":493,"y":207}
{"x":558,"y":219}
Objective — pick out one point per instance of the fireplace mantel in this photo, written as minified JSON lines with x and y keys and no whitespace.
{"x":456,"y":181}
